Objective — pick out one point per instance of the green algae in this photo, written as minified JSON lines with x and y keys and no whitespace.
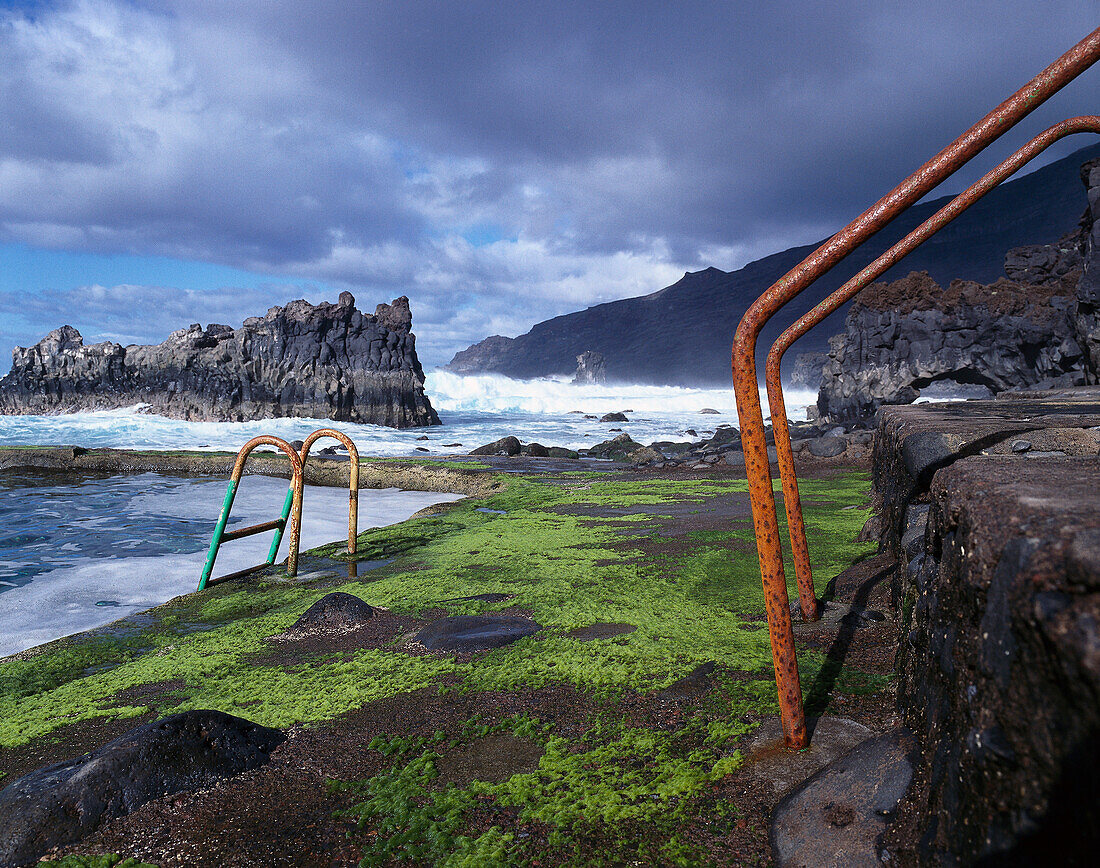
{"x":564,"y":568}
{"x":608,"y":783}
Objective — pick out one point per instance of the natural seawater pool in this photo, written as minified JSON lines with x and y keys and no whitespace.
{"x":78,"y":552}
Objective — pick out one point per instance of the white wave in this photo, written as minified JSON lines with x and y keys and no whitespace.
{"x":474,"y":410}
{"x":557,"y":396}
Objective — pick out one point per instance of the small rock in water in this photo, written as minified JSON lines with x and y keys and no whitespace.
{"x":707,"y":411}
{"x":423,"y":437}
{"x":503,"y":446}
{"x":450,"y":445}
{"x":108,"y":603}
{"x":422,"y":449}
{"x":614,"y":417}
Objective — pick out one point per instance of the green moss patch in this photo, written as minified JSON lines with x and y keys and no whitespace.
{"x":569,"y":553}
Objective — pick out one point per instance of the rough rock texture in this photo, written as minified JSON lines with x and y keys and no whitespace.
{"x":807,"y":371}
{"x":903,"y":336}
{"x":999,"y":592}
{"x":1039,"y":327}
{"x":63,"y":803}
{"x":335,"y":611}
{"x":836,"y":819}
{"x":1088,"y":290}
{"x":327,"y":361}
{"x":591,"y":368}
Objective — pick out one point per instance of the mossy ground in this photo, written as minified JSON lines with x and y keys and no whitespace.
{"x":553,"y":547}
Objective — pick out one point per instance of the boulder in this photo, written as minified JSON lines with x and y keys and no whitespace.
{"x":827,"y":447}
{"x":614,"y":417}
{"x":335,"y":611}
{"x":536,"y":450}
{"x":65,"y":802}
{"x":504,"y":446}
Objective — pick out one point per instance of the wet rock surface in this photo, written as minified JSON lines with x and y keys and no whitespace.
{"x":999,"y":594}
{"x":465,"y":633}
{"x":317,"y":361}
{"x":63,"y":803}
{"x":837,"y":818}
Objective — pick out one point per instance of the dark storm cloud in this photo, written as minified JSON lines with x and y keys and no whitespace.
{"x":498,"y":162}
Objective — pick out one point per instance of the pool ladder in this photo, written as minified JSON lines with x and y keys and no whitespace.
{"x":292,"y":506}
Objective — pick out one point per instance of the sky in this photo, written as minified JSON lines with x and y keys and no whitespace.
{"x":164,"y":163}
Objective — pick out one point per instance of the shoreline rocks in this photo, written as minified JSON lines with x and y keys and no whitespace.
{"x":327,"y":361}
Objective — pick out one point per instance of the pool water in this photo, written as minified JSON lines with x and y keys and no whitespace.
{"x":77,"y":552}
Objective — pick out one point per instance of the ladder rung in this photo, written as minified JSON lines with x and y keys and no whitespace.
{"x":237,"y":574}
{"x":274,"y":524}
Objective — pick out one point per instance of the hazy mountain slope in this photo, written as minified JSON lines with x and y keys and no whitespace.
{"x":682,"y":334}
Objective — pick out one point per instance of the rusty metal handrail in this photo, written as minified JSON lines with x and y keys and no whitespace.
{"x":743,"y":362}
{"x":292,"y":512}
{"x":353,"y":481}
{"x":784,"y":452}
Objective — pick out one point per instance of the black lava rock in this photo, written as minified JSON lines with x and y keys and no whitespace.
{"x":63,"y":803}
{"x":335,"y":611}
{"x":475,"y":632}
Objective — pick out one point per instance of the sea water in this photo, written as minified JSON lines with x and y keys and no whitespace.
{"x":474,"y":410}
{"x":80,"y":552}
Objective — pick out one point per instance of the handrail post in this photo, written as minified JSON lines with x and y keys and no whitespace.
{"x":353,"y":478}
{"x":993,"y":125}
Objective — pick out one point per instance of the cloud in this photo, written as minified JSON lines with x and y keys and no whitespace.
{"x":497,"y":162}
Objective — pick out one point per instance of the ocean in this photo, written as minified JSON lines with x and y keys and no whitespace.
{"x":474,"y":409}
{"x":80,"y":552}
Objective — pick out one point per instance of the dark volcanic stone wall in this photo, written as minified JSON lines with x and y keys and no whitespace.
{"x":327,"y":361}
{"x":992,"y":508}
{"x":903,"y":336}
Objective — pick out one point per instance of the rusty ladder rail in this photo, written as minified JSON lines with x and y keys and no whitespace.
{"x":743,"y":362}
{"x":292,"y":512}
{"x":353,"y":478}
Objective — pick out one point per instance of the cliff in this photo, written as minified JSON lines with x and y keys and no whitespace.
{"x":1039,"y":327}
{"x":327,"y":361}
{"x":681,"y":335}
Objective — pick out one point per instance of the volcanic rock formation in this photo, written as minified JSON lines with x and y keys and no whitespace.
{"x":1040,"y":327}
{"x":327,"y":361}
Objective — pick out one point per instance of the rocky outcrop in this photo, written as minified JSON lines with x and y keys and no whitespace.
{"x":591,"y":368}
{"x":481,"y":357}
{"x":990,"y":508}
{"x":807,"y":371}
{"x":903,"y":336}
{"x":1088,"y":290}
{"x":1039,"y":327}
{"x":326,"y":361}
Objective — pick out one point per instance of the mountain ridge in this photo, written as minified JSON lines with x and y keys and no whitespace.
{"x":682,"y":334}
